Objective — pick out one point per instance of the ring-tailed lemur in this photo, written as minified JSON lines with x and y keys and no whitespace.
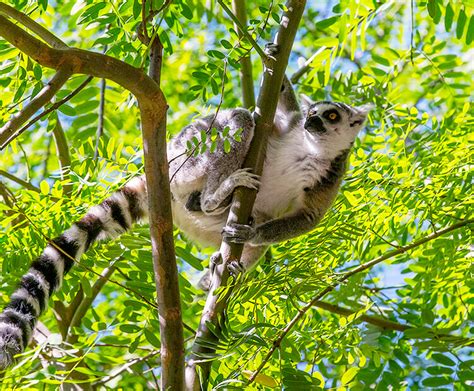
{"x":305,"y":161}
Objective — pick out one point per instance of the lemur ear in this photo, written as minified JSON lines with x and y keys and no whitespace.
{"x":306,"y":103}
{"x":359,"y":114}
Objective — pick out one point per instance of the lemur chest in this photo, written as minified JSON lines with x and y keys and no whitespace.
{"x":292,"y":167}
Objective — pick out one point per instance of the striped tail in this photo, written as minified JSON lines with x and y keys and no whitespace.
{"x":111,"y":218}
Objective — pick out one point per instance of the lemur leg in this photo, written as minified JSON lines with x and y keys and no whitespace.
{"x":226,"y":173}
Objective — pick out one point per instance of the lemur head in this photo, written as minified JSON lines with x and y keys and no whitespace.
{"x":333,"y":120}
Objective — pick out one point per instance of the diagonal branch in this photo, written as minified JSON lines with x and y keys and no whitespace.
{"x":29,"y":23}
{"x":21,"y":182}
{"x":244,"y":199}
{"x":49,"y":110}
{"x":365,"y":266}
{"x":9,"y":130}
{"x":80,"y":311}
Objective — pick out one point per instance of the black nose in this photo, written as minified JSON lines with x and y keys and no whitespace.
{"x":314,"y":124}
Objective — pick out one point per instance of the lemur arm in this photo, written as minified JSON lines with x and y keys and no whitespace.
{"x":273,"y":231}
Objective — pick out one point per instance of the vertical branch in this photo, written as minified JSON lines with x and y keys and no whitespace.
{"x":244,"y":198}
{"x":161,"y":231}
{"x":246,"y":78}
{"x":100,"y":126}
{"x":64,"y":157}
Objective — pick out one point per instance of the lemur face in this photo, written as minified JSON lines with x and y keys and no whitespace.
{"x":333,"y":118}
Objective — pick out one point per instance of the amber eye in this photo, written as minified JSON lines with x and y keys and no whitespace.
{"x":333,"y":116}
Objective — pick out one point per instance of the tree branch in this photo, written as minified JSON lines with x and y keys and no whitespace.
{"x":21,"y":182}
{"x":100,"y":126}
{"x":9,"y":130}
{"x":365,"y":266}
{"x":62,"y":149}
{"x":29,"y":23}
{"x":49,"y":110}
{"x":246,"y":77}
{"x":80,"y":311}
{"x":84,"y":62}
{"x":244,"y":199}
{"x":152,"y":105}
{"x":162,"y":240}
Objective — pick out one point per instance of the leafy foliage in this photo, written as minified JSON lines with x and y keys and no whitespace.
{"x":410,"y":176}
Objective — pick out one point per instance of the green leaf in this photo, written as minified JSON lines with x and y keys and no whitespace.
{"x":152,"y":338}
{"x":186,"y":11}
{"x":327,"y":41}
{"x":470,"y":31}
{"x":449,"y":16}
{"x":432,"y":8}
{"x":227,"y":145}
{"x":462,"y":18}
{"x":437,"y":381}
{"x":44,"y":187}
{"x":86,"y":286}
{"x":261,"y":378}
{"x":349,"y":375}
{"x":442,"y":359}
{"x":67,"y":110}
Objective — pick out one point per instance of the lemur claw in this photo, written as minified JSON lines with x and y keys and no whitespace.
{"x":238,"y":233}
{"x":245,"y":178}
{"x":235,"y":268}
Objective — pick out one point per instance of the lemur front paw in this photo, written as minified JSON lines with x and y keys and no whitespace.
{"x":244,"y":177}
{"x":271,"y":49}
{"x":235,"y":268}
{"x":238,"y":233}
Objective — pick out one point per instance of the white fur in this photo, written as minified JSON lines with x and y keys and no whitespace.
{"x":58,"y":260}
{"x":42,"y":283}
{"x":78,"y":236}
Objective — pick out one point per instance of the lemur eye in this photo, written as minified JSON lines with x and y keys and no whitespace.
{"x":332,"y":115}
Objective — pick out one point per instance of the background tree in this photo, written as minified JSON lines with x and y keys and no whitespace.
{"x":379,"y":294}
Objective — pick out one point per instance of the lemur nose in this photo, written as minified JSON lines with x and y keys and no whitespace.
{"x":314,"y":123}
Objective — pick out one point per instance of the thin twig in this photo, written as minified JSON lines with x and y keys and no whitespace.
{"x":86,"y":302}
{"x":243,"y":30}
{"x":126,"y":367}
